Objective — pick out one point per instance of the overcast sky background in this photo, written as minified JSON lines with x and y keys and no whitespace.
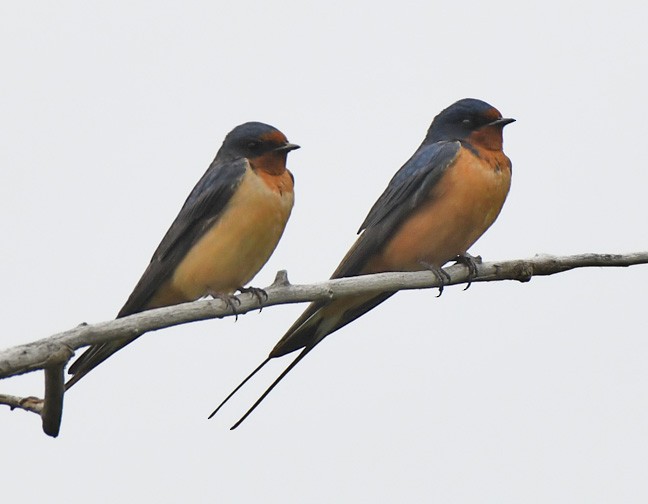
{"x":505,"y":393}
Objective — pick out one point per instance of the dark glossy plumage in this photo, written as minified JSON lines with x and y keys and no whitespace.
{"x":411,"y":190}
{"x":202,"y":208}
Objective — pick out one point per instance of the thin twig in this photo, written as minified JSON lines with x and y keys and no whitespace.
{"x":33,"y":404}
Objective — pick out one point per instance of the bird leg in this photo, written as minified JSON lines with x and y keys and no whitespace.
{"x":471,"y":262}
{"x":230,"y":300}
{"x":439,"y":273}
{"x":260,"y":294}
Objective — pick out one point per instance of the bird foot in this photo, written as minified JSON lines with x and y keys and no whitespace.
{"x":260,"y":294}
{"x":471,"y":262}
{"x":439,"y":273}
{"x":231,"y":301}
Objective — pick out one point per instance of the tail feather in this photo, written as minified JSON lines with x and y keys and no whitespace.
{"x":311,"y":328}
{"x":92,"y":357}
{"x":239,"y":386}
{"x":319,"y":321}
{"x":303,"y":354}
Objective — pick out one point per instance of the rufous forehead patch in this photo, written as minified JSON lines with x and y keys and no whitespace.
{"x":275,"y":137}
{"x":493,"y":114}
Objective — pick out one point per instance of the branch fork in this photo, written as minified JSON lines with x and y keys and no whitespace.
{"x":53,"y":353}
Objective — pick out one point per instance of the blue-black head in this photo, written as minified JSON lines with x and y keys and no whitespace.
{"x":463,"y":118}
{"x":251,"y":140}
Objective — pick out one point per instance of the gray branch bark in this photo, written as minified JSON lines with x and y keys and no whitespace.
{"x":52,"y":354}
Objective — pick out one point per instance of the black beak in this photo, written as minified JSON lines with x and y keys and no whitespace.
{"x":287,"y":147}
{"x":501,"y":122}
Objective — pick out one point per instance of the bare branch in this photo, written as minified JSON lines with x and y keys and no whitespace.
{"x":52,"y":354}
{"x":33,"y":404}
{"x":52,"y":412}
{"x":34,"y":356}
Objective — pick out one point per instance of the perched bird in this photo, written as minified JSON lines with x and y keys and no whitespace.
{"x":433,"y":210}
{"x":225,"y":232}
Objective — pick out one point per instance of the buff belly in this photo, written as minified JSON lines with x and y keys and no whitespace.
{"x":240,"y":242}
{"x":462,"y":206}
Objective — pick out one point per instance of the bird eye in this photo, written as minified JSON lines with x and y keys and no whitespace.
{"x":467,"y":122}
{"x":253,"y":145}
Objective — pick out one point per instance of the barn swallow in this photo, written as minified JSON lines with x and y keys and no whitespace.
{"x":433,"y":210}
{"x":225,"y":232}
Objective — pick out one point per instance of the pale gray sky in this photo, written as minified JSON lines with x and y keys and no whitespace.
{"x":505,"y":393}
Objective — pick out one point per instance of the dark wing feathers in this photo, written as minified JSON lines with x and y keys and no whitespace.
{"x":413,"y":181}
{"x":203,"y":205}
{"x":407,"y":189}
{"x":404,"y":193}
